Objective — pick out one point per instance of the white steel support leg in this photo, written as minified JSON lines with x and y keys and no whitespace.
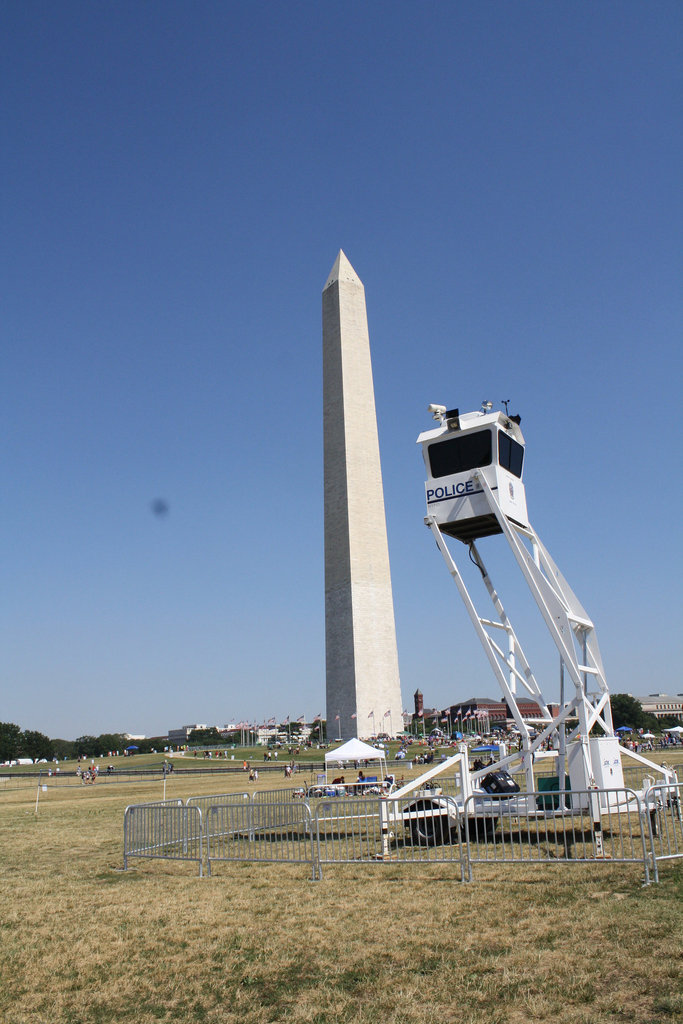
{"x":568,"y":624}
{"x":525,"y":675}
{"x":499,"y":659}
{"x":562,"y":738}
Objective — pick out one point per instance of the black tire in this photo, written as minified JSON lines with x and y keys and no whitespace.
{"x":430,"y":831}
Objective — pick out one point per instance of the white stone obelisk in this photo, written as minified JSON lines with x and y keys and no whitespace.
{"x":363,"y":686}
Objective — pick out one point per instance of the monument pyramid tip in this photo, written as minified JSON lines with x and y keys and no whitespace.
{"x":342,"y":271}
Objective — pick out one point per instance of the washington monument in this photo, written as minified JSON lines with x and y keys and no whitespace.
{"x":363,"y":687}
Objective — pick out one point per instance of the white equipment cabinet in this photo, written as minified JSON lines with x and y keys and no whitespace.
{"x":608,"y":772}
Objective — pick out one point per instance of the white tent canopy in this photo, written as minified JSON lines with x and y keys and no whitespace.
{"x":676,"y":728}
{"x":355,"y":750}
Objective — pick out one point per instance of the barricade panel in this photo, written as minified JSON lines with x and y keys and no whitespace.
{"x":279,"y":796}
{"x":574,"y":827}
{"x":274,"y":833}
{"x":164,"y":830}
{"x":665,"y":823}
{"x":348,"y":830}
{"x":204,"y":802}
{"x":383,"y":830}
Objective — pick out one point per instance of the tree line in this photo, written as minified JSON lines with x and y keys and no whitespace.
{"x":627,"y":711}
{"x":16,"y":742}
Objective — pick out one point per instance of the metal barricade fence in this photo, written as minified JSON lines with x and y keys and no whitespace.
{"x":577,"y":826}
{"x":278,"y":796}
{"x":165,"y":830}
{"x":635,"y":776}
{"x":380,"y":830}
{"x":665,"y":821}
{"x":171,"y":802}
{"x":544,"y":827}
{"x":426,"y":830}
{"x":71,"y":780}
{"x":348,"y":830}
{"x":204,"y":802}
{"x":10,"y":783}
{"x":271,"y":833}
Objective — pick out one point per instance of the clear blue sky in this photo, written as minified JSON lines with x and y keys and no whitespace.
{"x":177,"y":179}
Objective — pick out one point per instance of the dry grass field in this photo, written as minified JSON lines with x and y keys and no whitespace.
{"x":85,"y":943}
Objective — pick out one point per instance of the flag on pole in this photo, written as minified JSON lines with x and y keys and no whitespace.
{"x":302,"y":719}
{"x":353,"y":715}
{"x":336,"y":718}
{"x":387,"y":713}
{"x":317,"y":717}
{"x":286,"y":722}
{"x":371,"y":715}
{"x":271,"y":721}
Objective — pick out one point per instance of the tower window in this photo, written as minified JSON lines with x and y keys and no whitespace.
{"x":510,"y":454}
{"x":461,"y":453}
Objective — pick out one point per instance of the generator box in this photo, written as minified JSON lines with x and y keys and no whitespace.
{"x":607,"y":769}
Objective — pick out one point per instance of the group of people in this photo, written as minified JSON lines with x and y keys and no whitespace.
{"x":88,"y":776}
{"x":363,"y":784}
{"x":289,"y":770}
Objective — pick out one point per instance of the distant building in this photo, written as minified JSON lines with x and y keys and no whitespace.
{"x":482,"y":711}
{"x":182,"y":735}
{"x":267,"y":734}
{"x":496,"y":712}
{"x":662,"y":705}
{"x":489,"y":712}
